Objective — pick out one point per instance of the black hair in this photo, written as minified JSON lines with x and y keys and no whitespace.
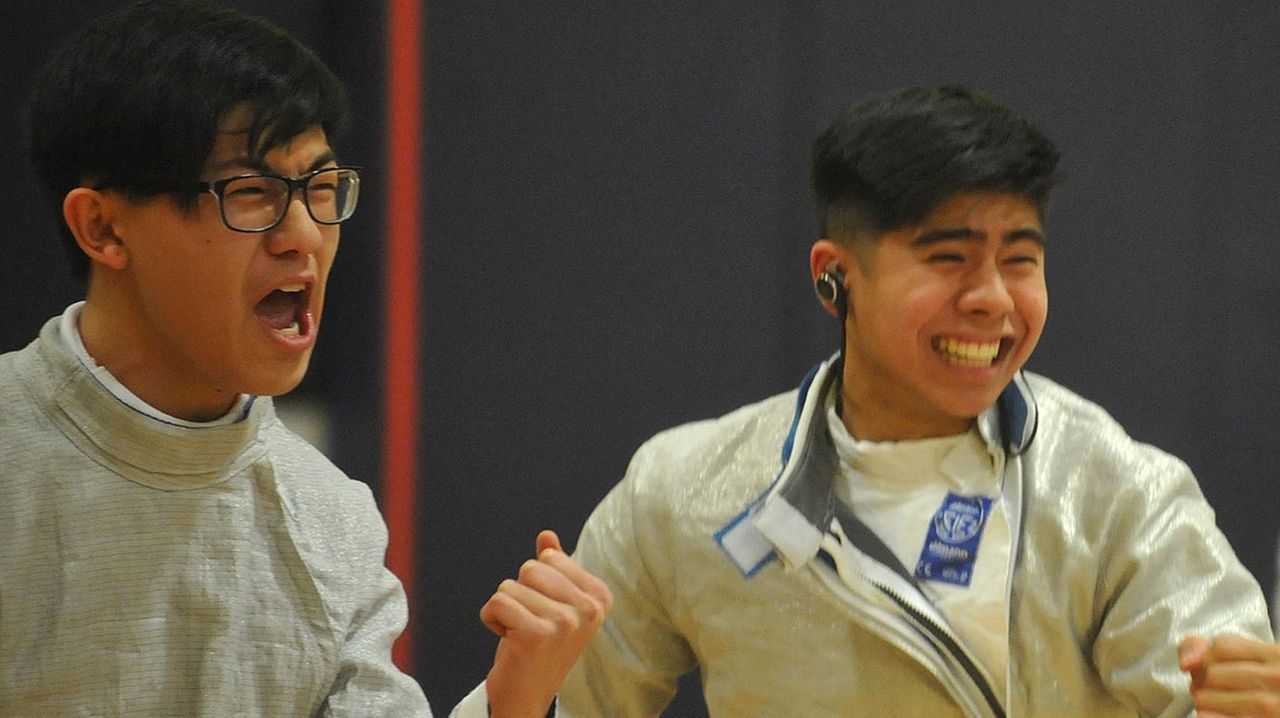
{"x":887,"y":161}
{"x":134,"y":101}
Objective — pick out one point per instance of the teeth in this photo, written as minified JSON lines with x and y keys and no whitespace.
{"x":292,"y":330}
{"x":967,"y":353}
{"x":293,"y":287}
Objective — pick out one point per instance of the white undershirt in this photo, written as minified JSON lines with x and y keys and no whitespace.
{"x":69,"y":329}
{"x":896,"y":488}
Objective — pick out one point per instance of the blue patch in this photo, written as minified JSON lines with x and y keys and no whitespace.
{"x":951,"y":548}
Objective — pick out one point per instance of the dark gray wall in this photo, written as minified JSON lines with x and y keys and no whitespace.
{"x":617,"y":224}
{"x":618,"y":228}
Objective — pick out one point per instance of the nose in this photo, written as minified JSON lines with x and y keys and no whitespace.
{"x":986,"y":293}
{"x":297,"y":232}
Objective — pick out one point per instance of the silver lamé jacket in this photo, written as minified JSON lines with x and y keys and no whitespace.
{"x":727,"y":551}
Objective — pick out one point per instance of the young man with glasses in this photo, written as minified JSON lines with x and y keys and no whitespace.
{"x":167,"y":547}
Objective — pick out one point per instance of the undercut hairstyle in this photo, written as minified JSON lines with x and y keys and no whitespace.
{"x":887,"y":161}
{"x":135,"y":100}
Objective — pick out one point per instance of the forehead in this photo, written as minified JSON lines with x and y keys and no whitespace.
{"x":988,"y":209}
{"x":297,"y":154}
{"x":984,"y":218}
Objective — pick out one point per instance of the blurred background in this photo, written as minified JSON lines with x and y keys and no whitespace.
{"x":615,"y":223}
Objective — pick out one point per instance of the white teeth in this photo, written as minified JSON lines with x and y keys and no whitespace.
{"x":967,"y":353}
{"x":292,"y":330}
{"x":293,"y":287}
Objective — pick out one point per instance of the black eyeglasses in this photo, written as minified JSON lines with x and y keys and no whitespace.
{"x":259,"y":202}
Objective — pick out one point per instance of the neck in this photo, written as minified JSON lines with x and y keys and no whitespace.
{"x":125,"y":350}
{"x":878,"y":418}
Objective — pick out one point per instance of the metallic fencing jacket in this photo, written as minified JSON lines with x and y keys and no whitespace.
{"x":728,"y":552}
{"x":148,"y":569}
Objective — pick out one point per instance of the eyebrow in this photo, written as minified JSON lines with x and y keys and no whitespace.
{"x":965,"y":233}
{"x":258,"y":165}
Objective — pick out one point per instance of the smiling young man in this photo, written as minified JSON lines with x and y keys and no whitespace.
{"x":922,"y":528}
{"x":167,"y":547}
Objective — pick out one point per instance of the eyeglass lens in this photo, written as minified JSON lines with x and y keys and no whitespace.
{"x":255,"y":203}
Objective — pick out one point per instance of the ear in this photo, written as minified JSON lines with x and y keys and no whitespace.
{"x":89,"y":214}
{"x":825,"y":256}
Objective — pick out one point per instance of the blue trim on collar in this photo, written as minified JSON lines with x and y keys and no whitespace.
{"x":805,"y":487}
{"x":1013,"y":417}
{"x":1017,"y":415}
{"x":790,"y":442}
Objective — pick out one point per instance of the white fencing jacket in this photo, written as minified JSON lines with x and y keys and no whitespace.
{"x":727,"y":551}
{"x":148,"y":569}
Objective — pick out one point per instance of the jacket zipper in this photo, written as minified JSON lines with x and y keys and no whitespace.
{"x":938,"y":632}
{"x":941,"y":635}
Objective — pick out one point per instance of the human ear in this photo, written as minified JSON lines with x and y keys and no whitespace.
{"x":88,"y":215}
{"x":827,"y":262}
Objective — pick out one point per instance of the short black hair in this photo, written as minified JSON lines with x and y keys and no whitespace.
{"x":887,"y":161}
{"x":135,"y":99}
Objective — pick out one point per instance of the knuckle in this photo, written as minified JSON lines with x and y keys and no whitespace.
{"x":544,"y":629}
{"x":565,"y":619}
{"x":593,"y":613}
{"x":528,"y":568}
{"x":605,"y":596}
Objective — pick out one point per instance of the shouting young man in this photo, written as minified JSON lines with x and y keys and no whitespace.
{"x":167,"y":547}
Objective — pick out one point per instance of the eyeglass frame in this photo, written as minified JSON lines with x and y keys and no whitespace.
{"x":218,"y":187}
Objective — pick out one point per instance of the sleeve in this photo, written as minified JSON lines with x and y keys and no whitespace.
{"x":368,"y":683}
{"x":631,"y":667}
{"x":1169,"y":573}
{"x":475,"y":705}
{"x":1275,"y":597}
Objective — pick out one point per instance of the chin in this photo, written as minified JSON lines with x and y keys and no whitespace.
{"x":278,"y":383}
{"x":970,"y":409}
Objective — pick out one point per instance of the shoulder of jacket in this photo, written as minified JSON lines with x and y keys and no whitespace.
{"x":713,"y":465}
{"x":311,"y":479}
{"x":757,"y":419}
{"x":1056,"y":402}
{"x":1073,"y":424}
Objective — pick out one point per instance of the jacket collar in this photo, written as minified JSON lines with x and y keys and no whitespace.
{"x":790,"y":518}
{"x":136,"y":445}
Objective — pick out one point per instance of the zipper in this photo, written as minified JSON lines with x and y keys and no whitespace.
{"x":939,"y":633}
{"x":944,"y":637}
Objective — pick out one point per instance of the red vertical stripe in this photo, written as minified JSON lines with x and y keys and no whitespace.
{"x":400,"y":423}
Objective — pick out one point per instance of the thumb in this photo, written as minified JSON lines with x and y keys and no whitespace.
{"x":1191,"y":652}
{"x":548,"y":539}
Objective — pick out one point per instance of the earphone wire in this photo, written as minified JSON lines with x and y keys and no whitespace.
{"x":842,"y":308}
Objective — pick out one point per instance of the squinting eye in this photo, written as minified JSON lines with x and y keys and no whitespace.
{"x":1024,"y":259}
{"x":945,"y":258}
{"x":238,"y":191}
{"x":247,"y":188}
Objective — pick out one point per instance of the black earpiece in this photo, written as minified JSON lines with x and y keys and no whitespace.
{"x":830,"y":286}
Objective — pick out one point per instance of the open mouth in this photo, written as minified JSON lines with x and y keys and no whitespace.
{"x":285,"y":310}
{"x":974,"y":354}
